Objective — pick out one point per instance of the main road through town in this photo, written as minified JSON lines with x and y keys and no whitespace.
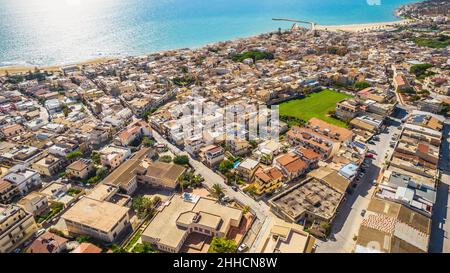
{"x":259,"y":208}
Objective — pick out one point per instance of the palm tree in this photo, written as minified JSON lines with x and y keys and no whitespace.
{"x":245,"y":209}
{"x":217,"y":190}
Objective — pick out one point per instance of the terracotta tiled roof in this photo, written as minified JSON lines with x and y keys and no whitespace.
{"x":47,"y":243}
{"x":87,"y":248}
{"x":308,"y":153}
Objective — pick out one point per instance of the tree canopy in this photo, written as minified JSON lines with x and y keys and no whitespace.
{"x":222,"y":245}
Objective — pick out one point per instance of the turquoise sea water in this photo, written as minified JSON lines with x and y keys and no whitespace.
{"x":44,"y":32}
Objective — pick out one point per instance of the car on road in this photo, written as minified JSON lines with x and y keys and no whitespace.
{"x":226,"y":199}
{"x":39,"y":232}
{"x":242,"y":247}
{"x":235,"y":188}
{"x":363,"y":212}
{"x":17,"y":250}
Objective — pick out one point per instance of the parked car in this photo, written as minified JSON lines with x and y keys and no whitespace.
{"x":363,"y":212}
{"x":372,"y":152}
{"x":370,"y":156}
{"x":371,"y":142}
{"x":235,"y":188}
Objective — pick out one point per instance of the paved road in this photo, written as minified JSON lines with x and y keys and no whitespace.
{"x":259,"y":208}
{"x":440,"y":226}
{"x":347,"y":222}
{"x":43,"y":114}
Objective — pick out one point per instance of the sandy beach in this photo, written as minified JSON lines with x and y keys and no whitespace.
{"x":363,"y":27}
{"x":53,"y":68}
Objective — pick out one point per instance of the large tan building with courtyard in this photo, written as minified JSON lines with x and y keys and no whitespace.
{"x":183,"y":215}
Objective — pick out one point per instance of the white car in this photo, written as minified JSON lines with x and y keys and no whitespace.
{"x":39,"y":232}
{"x":242,"y":247}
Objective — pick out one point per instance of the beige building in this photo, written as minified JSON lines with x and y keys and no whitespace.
{"x":102,"y":220}
{"x":7,"y":191}
{"x":311,"y":199}
{"x":16,"y":226}
{"x":182,"y":215}
{"x":35,"y":203}
{"x":124,"y":176}
{"x":113,"y":156}
{"x":160,"y":174}
{"x":247,"y":169}
{"x":80,"y":168}
{"x":212,"y":155}
{"x":393,"y":228}
{"x":285,"y":237}
{"x":48,"y":165}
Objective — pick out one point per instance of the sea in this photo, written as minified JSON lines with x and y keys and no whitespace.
{"x":49,"y":32}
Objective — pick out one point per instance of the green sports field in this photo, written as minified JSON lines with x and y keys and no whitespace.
{"x":314,"y":105}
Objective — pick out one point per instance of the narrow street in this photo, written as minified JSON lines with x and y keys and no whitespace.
{"x":346,"y":224}
{"x":440,"y":226}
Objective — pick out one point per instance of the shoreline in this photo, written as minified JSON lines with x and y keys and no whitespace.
{"x":20,"y":69}
{"x":363,"y":26}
